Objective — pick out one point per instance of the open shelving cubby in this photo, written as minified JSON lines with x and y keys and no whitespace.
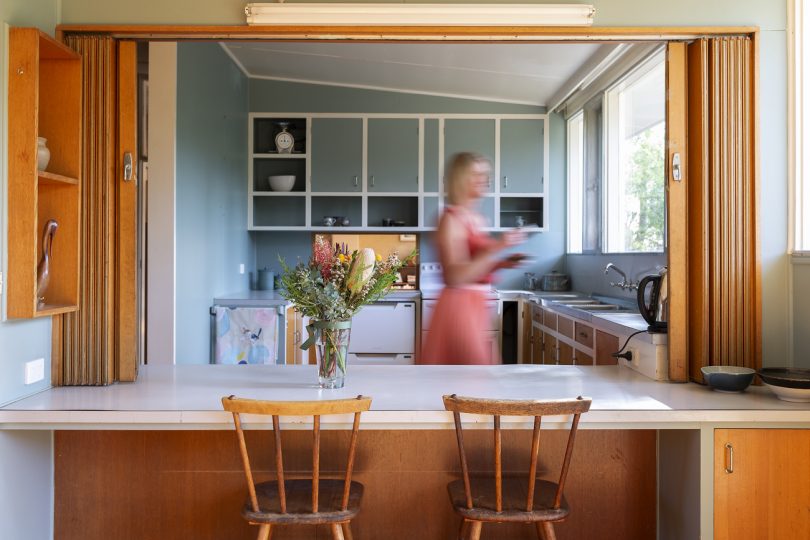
{"x":45,"y":100}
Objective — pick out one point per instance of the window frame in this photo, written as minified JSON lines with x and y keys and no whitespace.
{"x":629,"y":78}
{"x":575,"y":210}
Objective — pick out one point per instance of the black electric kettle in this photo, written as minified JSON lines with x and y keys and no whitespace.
{"x":653,"y":307}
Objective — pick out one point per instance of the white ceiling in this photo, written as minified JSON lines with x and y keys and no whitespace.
{"x":519,"y":73}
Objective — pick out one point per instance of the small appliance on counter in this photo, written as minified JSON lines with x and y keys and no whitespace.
{"x":555,"y":281}
{"x":654,"y":307}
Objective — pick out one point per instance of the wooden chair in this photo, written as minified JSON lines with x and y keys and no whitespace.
{"x":501,"y":499}
{"x":308,"y":501}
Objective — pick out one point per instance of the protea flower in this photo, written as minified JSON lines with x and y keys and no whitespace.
{"x":361,"y":270}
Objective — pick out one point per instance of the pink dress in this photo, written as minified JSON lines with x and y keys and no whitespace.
{"x":460,"y":321}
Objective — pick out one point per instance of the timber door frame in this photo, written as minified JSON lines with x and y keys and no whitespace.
{"x":676,"y":199}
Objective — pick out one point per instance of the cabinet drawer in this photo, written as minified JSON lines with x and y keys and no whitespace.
{"x":565,"y":326}
{"x":537,"y":314}
{"x":584,"y":334}
{"x":550,"y":319}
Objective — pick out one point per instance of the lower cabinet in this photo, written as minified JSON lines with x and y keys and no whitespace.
{"x":296,"y":335}
{"x":555,"y":338}
{"x":606,"y":345}
{"x":761,"y":484}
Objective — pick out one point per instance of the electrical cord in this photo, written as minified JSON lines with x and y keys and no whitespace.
{"x":618,"y":353}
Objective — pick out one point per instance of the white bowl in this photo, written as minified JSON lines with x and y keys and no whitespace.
{"x":281,"y":182}
{"x":801,"y":395}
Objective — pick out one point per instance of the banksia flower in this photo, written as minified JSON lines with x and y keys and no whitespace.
{"x":361,"y":270}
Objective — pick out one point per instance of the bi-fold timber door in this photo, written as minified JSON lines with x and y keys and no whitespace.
{"x":98,"y":344}
{"x":712,"y":225}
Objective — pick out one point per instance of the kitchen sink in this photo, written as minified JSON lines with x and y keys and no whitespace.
{"x":600,"y":307}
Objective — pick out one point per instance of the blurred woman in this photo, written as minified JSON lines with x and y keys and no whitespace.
{"x":469,"y":257}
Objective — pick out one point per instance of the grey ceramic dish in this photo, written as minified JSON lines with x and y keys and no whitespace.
{"x":728,"y":378}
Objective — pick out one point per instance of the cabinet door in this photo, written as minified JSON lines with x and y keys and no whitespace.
{"x":393,"y":154}
{"x":761,"y":484}
{"x":522,"y":156}
{"x":433,"y":167}
{"x":537,"y":345}
{"x":526,"y":337}
{"x":550,"y":353}
{"x":606,"y":345}
{"x":470,"y":135}
{"x":337,"y":154}
{"x":582,"y":359}
{"x":566,"y":353}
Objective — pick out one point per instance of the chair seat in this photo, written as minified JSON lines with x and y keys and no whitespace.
{"x":299,"y":502}
{"x":514,"y":495}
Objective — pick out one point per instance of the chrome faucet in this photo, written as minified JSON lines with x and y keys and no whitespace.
{"x":623,"y":284}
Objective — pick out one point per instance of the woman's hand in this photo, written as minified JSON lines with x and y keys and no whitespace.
{"x":512,"y":261}
{"x":512,"y":237}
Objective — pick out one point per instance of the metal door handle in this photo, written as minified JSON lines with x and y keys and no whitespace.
{"x":505,"y":182}
{"x":372,"y":180}
{"x":127,"y":166}
{"x":729,"y":458}
{"x":676,"y":167}
{"x":356,"y":181}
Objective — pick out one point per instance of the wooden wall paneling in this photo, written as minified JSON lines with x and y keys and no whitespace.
{"x":126,"y":298}
{"x":677,"y":247}
{"x":194,"y":482}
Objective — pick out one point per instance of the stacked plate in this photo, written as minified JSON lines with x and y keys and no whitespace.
{"x":789,"y":384}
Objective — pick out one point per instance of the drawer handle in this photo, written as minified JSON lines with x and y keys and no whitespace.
{"x":729,"y":458}
{"x":583,"y":334}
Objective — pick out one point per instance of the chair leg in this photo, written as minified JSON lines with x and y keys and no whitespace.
{"x":462,"y":531}
{"x":265,"y":532}
{"x":545,"y":530}
{"x":347,"y":530}
{"x":337,"y":532}
{"x":475,"y":530}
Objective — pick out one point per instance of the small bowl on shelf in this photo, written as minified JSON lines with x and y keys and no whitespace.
{"x":728,"y":378}
{"x":789,"y":384}
{"x":281,"y":182}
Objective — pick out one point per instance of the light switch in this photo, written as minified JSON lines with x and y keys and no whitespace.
{"x":34,"y":371}
{"x":242,"y":268}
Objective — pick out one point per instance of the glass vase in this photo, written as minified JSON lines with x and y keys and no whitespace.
{"x":332,"y":343}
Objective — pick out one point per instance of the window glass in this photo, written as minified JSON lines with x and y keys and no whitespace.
{"x":576,"y":180}
{"x":634,"y":181}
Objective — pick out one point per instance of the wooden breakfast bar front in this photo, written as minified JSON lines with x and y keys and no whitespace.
{"x":158,"y":458}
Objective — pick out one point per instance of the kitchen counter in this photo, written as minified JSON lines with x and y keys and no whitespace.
{"x":274,"y":298}
{"x":405,"y":397}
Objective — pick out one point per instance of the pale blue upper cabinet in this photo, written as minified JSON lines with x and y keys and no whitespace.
{"x":336,"y":154}
{"x":393,"y":154}
{"x":522,"y":156}
{"x":470,"y":135}
{"x":433,"y":169}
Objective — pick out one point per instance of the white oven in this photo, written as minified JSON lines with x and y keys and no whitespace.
{"x":384,"y":333}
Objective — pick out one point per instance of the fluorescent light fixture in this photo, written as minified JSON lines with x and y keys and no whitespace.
{"x":319,"y":14}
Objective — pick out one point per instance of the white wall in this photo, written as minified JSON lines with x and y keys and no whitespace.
{"x":26,"y":485}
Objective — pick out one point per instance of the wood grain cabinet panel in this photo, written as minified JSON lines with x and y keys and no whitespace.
{"x":549,"y":349}
{"x":549,"y":319}
{"x":537,"y":346}
{"x":582,"y":359}
{"x":761,"y":484}
{"x":565,"y":353}
{"x":583,"y":334}
{"x":606,"y":345}
{"x":565,"y":326}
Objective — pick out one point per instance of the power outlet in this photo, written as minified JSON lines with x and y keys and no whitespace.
{"x":34,"y":371}
{"x":636,"y":356}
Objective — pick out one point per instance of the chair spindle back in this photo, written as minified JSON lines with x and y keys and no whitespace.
{"x":316,"y":409}
{"x":498,"y":408}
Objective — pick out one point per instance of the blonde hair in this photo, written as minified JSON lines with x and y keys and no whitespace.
{"x":456,"y":174}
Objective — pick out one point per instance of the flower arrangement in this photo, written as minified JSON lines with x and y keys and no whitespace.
{"x":330,"y":289}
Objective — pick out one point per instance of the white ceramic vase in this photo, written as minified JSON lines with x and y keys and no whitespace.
{"x":43,"y":154}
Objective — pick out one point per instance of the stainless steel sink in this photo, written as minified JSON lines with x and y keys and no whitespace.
{"x":600,"y":307}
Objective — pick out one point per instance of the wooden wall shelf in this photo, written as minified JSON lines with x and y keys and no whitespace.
{"x":45,"y":100}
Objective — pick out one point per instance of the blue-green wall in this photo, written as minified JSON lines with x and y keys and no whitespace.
{"x":211,"y":203}
{"x":547,"y":249}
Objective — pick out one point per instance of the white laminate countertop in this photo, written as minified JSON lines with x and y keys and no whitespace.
{"x":405,"y":397}
{"x":274,"y":298}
